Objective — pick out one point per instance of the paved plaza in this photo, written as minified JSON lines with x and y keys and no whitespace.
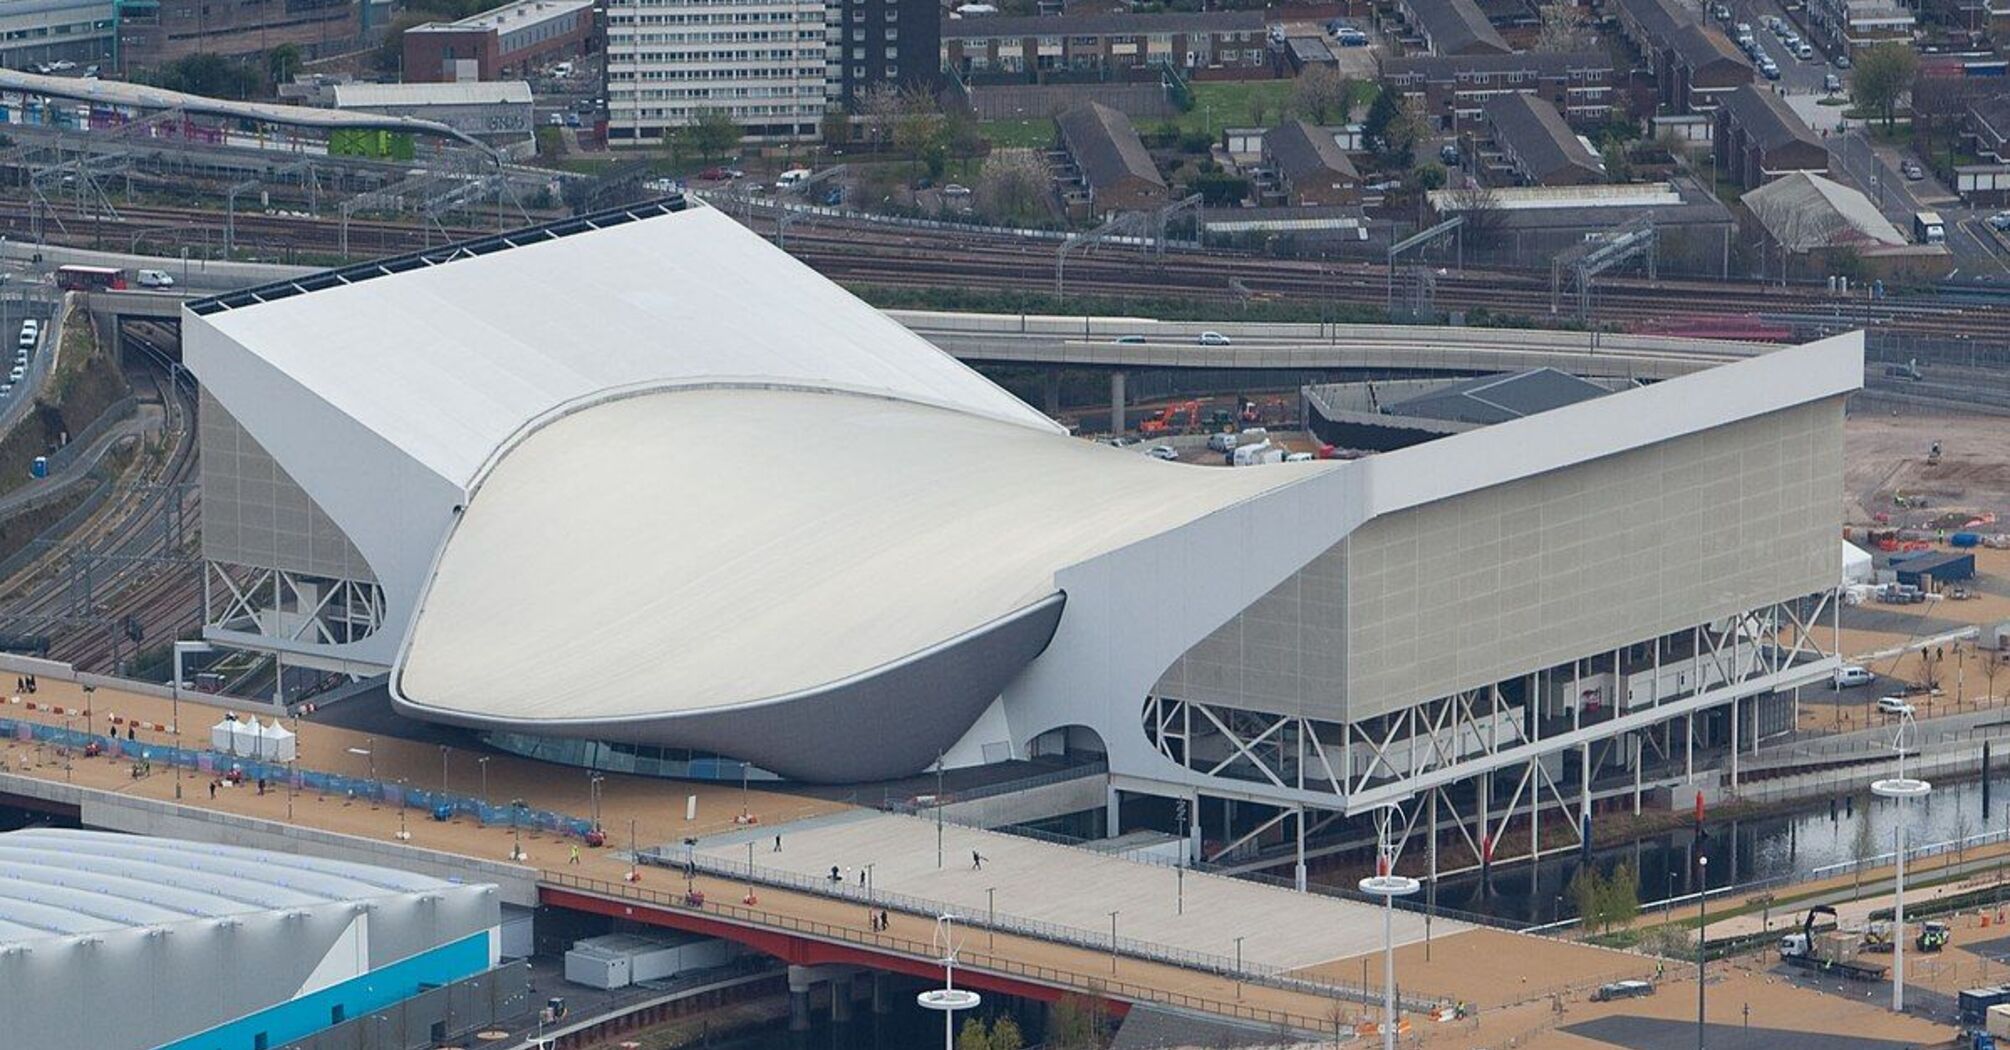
{"x":1079,"y":888}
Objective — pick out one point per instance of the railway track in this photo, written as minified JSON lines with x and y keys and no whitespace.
{"x":140,"y":567}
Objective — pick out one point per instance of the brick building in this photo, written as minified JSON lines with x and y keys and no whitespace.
{"x":1452,"y":27}
{"x":152,"y":32}
{"x":1454,"y":87}
{"x":1312,"y":171}
{"x":1759,"y":138}
{"x":1527,"y":142}
{"x":1225,"y":43}
{"x":1112,"y":170}
{"x":500,"y":44}
{"x":1694,"y":65}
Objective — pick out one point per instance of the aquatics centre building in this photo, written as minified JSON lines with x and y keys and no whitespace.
{"x":642,"y":478}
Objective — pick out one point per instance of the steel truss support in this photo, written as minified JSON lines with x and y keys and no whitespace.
{"x":235,"y":598}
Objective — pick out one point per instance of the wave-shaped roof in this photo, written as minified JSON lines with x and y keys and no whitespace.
{"x":58,"y":882}
{"x":450,"y":359}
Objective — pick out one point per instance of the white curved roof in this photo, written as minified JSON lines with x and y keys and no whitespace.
{"x":695,"y":549}
{"x":60,"y":882}
{"x":448,"y":362}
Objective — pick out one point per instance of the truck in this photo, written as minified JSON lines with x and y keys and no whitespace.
{"x":1254,"y":455}
{"x":1806,"y":950}
{"x":1928,"y":227}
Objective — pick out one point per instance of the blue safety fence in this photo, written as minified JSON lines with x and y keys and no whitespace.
{"x":208,"y":763}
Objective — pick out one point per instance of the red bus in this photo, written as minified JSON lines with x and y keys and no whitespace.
{"x":89,"y":278}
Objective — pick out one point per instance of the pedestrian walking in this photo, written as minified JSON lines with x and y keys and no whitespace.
{"x":212,"y":789}
{"x":575,"y":855}
{"x":861,"y":876}
{"x":976,"y":861}
{"x":884,"y":922}
{"x":778,"y":843}
{"x":129,"y":732}
{"x":261,"y":785}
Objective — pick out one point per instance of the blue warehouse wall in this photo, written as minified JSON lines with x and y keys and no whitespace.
{"x":356,"y":997}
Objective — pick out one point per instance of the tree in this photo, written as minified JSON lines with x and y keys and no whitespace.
{"x":922,"y":131}
{"x":1562,"y":28}
{"x":881,"y":106}
{"x":1481,"y":206}
{"x":390,"y":56}
{"x":1074,"y":1022}
{"x":1618,"y":159}
{"x":282,"y":63}
{"x":1587,"y":891}
{"x":1005,"y":1034}
{"x":836,"y":126}
{"x":1426,"y":177}
{"x":1259,"y":108}
{"x":713,"y":134}
{"x":1321,"y":93}
{"x":1395,"y":126}
{"x":1622,"y":896}
{"x":212,"y":75}
{"x":1012,"y":187}
{"x":1883,"y":74}
{"x":973,"y":1036}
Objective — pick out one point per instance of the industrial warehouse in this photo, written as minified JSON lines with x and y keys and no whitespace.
{"x":1470,"y":627}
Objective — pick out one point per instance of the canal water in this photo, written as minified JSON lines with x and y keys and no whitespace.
{"x":1794,"y":843}
{"x":906,"y":1027}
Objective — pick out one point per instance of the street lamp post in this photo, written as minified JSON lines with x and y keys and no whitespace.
{"x":991,"y":914}
{"x":483,"y":762}
{"x":745,"y":811}
{"x":444,"y":752}
{"x":1388,"y":885}
{"x":1702,"y":938}
{"x":369,"y":752}
{"x":1902,"y":789}
{"x":1238,"y":967}
{"x":1113,"y":942}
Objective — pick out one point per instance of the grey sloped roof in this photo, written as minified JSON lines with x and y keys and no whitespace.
{"x":1699,"y":47}
{"x":1105,"y":145}
{"x":1657,"y":18}
{"x":1539,"y":135}
{"x":1456,"y":25}
{"x":1804,"y":211}
{"x":1304,"y":151}
{"x":1498,"y":398}
{"x":1767,"y":118}
{"x":1437,"y":68}
{"x":61,"y":882}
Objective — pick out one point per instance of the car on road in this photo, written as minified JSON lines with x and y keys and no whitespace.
{"x":556,"y":120}
{"x":1842,"y":61}
{"x":1165,"y":452}
{"x":1999,"y":221}
{"x":1804,"y":51}
{"x":1721,"y":13}
{"x":1213,"y":339}
{"x":1832,"y":83}
{"x":1769,"y":69}
{"x":154,"y":279}
{"x":1744,"y":29}
{"x":15,"y":374}
{"x":1130,"y":339}
{"x":1911,"y":170}
{"x":1448,"y":154}
{"x":1894,"y":705}
{"x":1852,"y":675}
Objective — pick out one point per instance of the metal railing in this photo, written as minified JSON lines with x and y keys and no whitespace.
{"x":972,"y":958}
{"x":912,"y":805}
{"x":871,"y":897}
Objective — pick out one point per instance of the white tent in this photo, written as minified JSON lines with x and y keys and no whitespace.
{"x":219,"y":735}
{"x":245,"y":738}
{"x":280,"y":744}
{"x":1856,"y":564}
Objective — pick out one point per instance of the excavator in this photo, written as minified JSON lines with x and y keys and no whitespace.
{"x":1168,"y":419}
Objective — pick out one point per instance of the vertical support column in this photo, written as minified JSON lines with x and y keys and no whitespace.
{"x":1112,"y":813}
{"x":1689,"y":747}
{"x":1050,"y":389}
{"x":1639,"y":761}
{"x":1300,"y":869}
{"x":1431,"y":887}
{"x":1116,"y":402}
{"x":841,"y":999}
{"x":882,"y":1002}
{"x":1534,"y":811}
{"x":1584,"y":790}
{"x":1734,"y":744}
{"x":1193,"y":831}
{"x":799,"y":1009}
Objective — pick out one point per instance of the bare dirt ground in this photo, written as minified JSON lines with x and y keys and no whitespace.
{"x":1886,"y":455}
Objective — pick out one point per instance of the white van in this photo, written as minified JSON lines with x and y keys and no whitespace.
{"x":792,"y":179}
{"x":155,"y":279}
{"x":1222,"y":442}
{"x":15,"y":375}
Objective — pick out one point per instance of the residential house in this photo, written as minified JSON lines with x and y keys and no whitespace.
{"x":1112,"y":170}
{"x":1452,"y":88}
{"x":1452,"y":27}
{"x":1531,"y":144}
{"x":1221,"y":43}
{"x":1311,"y":169}
{"x":1760,"y":138}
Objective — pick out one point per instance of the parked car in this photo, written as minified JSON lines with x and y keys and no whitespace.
{"x":556,"y":120}
{"x":955,"y":190}
{"x":2000,"y":221}
{"x":1213,"y":339}
{"x":1769,"y":69}
{"x":1893,"y":705}
{"x":1744,"y":29}
{"x":1832,"y":83}
{"x":1850,"y":676}
{"x":1165,"y":452}
{"x":1911,"y":170}
{"x":1448,"y":154}
{"x":1804,"y":51}
{"x":1842,"y":61}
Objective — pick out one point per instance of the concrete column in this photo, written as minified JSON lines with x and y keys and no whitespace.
{"x":799,"y":1009}
{"x":1050,"y":389}
{"x":1116,"y":402}
{"x":882,"y":1000}
{"x":1301,"y":849}
{"x":1193,"y":830}
{"x":840,"y":999}
{"x":1734,"y":745}
{"x":1112,"y":813}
